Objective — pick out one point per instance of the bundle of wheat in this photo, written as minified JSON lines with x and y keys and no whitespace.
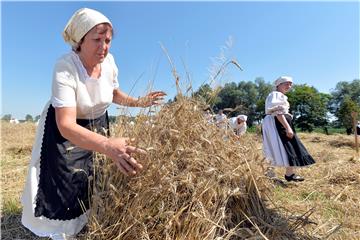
{"x":198,"y":183}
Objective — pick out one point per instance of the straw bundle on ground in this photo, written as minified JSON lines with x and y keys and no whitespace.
{"x":197,"y":183}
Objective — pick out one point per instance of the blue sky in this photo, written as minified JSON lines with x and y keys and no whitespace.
{"x":314,"y":42}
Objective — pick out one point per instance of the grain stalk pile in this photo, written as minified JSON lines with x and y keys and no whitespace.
{"x":198,"y":182}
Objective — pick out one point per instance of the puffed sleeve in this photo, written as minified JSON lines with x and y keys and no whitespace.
{"x":276,"y":103}
{"x":115,"y":71}
{"x":63,"y":85}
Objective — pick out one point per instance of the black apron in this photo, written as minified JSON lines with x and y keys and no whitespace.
{"x":297,"y":154}
{"x":66,"y":171}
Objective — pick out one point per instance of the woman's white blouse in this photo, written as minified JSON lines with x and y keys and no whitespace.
{"x":276,"y":103}
{"x":72,"y":86}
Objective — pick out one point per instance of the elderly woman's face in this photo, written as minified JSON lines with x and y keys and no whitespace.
{"x":96,"y":43}
{"x":284,"y":87}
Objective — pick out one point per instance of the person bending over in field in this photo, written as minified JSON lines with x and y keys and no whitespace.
{"x":238,"y":124}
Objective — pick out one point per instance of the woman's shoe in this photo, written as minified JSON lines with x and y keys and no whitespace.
{"x":294,"y":177}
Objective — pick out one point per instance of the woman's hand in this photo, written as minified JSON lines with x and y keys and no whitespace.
{"x":153,"y":98}
{"x":120,"y":152}
{"x":289,"y":133}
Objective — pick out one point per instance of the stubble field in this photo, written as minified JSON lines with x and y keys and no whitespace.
{"x":329,"y":198}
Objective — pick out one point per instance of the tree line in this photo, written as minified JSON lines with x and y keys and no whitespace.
{"x":310,"y":108}
{"x":28,"y":118}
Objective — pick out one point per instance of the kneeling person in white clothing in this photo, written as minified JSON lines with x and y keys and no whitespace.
{"x":238,"y":124}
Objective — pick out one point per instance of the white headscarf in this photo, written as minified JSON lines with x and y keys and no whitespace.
{"x":281,"y":80}
{"x":242,"y":117}
{"x":80,"y":23}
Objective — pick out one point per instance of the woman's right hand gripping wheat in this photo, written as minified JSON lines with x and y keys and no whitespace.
{"x":121,"y":152}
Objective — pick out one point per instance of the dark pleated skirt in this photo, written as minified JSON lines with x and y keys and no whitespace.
{"x":66,"y":171}
{"x":297,"y":154}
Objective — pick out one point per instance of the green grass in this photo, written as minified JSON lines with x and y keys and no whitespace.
{"x":11,"y":207}
{"x":284,"y":196}
{"x":331,"y":130}
{"x":313,"y":196}
{"x":331,"y":210}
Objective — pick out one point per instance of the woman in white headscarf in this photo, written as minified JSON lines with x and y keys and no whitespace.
{"x":238,"y":124}
{"x":73,"y":125}
{"x":281,"y":146}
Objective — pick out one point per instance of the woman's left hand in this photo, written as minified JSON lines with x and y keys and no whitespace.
{"x":153,"y":98}
{"x":289,"y":133}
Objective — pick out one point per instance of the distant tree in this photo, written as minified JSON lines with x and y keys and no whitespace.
{"x":346,"y":90}
{"x":203,"y":93}
{"x":308,"y":106}
{"x":344,"y":114}
{"x":29,"y":118}
{"x":345,"y":97}
{"x":6,"y":117}
{"x":36,"y":118}
{"x":246,"y":98}
{"x":263,"y":89}
{"x":207,"y":95}
{"x":229,"y":97}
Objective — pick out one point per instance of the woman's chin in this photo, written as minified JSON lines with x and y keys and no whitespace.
{"x":100,"y":59}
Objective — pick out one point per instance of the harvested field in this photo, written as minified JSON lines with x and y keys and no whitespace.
{"x":198,"y":184}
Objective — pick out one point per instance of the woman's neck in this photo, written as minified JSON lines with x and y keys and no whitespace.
{"x":280,"y":90}
{"x":92,"y":69}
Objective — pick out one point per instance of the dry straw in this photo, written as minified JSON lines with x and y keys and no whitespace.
{"x":197,"y":183}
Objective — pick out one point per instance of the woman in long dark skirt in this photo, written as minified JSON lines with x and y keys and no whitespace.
{"x":281,"y":145}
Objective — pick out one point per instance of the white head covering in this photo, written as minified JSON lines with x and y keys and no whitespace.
{"x":80,"y":23}
{"x":242,"y":117}
{"x":282,"y":79}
